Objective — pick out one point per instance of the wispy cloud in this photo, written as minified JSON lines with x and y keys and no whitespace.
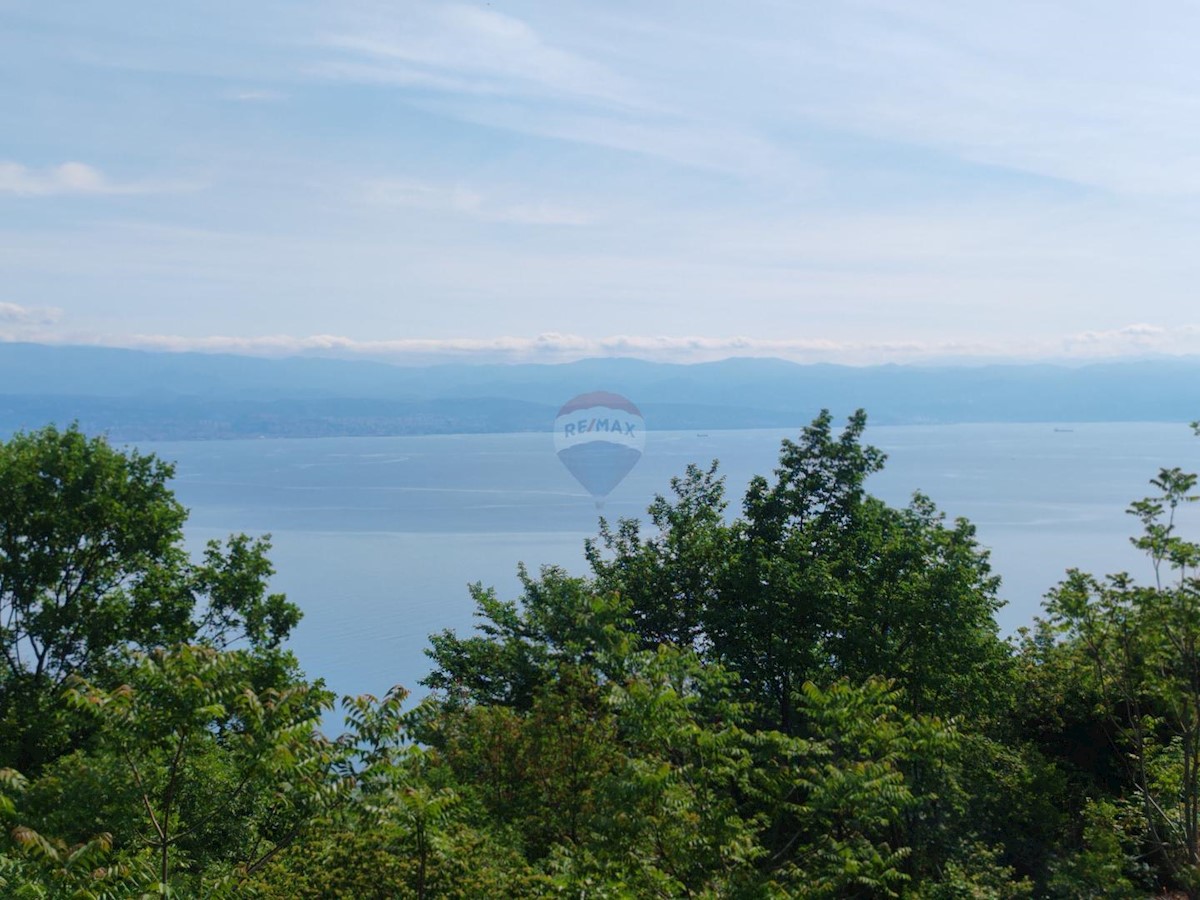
{"x":462,"y":200}
{"x":475,"y":49}
{"x":15,"y":314}
{"x":897,"y":177}
{"x":256,"y":95}
{"x":1085,"y":93}
{"x":497,"y":70}
{"x":73,"y":178}
{"x":1089,"y":95}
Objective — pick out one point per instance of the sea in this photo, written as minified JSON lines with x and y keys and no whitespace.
{"x":378,"y":538}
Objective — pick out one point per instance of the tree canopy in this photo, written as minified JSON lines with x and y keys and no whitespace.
{"x":92,"y":566}
{"x":803,"y":696}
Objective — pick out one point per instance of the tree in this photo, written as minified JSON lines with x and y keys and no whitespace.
{"x":808,"y":699}
{"x":627,"y":771}
{"x":202,"y":748}
{"x":670,"y":578}
{"x":522,"y":645}
{"x":816,"y":580}
{"x":92,"y":565}
{"x":407,"y":828}
{"x":89,"y":537}
{"x":1140,"y":649}
{"x":34,"y":866}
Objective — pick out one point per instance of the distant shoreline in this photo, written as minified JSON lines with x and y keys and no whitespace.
{"x":682,"y":432}
{"x":135,"y":395}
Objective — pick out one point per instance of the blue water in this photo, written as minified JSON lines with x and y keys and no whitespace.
{"x":377,"y":538}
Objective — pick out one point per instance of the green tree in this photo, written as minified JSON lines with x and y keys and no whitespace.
{"x":670,"y":578}
{"x":816,"y":580}
{"x":1102,"y":866}
{"x":521,"y":645}
{"x":846,"y":791}
{"x":201,"y":748}
{"x":1139,"y":649}
{"x":408,"y":829}
{"x":87,"y":536}
{"x":808,"y":699}
{"x":624,"y":771}
{"x":92,"y":565}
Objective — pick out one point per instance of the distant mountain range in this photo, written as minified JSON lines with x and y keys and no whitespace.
{"x":136,"y":395}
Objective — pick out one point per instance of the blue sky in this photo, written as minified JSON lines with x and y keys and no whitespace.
{"x":847,"y":181}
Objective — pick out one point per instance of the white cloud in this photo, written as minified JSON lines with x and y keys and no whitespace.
{"x":70,"y":178}
{"x":1138,"y":340}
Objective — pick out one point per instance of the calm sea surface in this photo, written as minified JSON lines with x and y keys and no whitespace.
{"x":377,"y":538}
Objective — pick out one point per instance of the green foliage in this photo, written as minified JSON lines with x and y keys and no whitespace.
{"x":204,"y":749}
{"x":559,"y":619}
{"x":808,"y":699}
{"x":237,"y":608}
{"x":1139,"y":649}
{"x":406,"y":830}
{"x":34,"y":866}
{"x":92,"y":566}
{"x":1106,"y":865}
{"x":815,"y":581}
{"x":84,"y":530}
{"x":976,"y":872}
{"x":646,"y":776}
{"x":670,"y":578}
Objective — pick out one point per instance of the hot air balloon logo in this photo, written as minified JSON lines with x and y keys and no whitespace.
{"x":599,"y":437}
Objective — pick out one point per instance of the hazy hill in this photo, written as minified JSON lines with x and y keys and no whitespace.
{"x":139,"y":395}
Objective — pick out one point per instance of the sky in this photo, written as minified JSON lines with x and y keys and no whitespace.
{"x":845,"y":181}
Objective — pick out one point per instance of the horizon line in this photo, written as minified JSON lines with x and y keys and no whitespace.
{"x":427,"y":353}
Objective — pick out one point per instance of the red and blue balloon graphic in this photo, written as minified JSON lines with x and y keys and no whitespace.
{"x":599,"y":437}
